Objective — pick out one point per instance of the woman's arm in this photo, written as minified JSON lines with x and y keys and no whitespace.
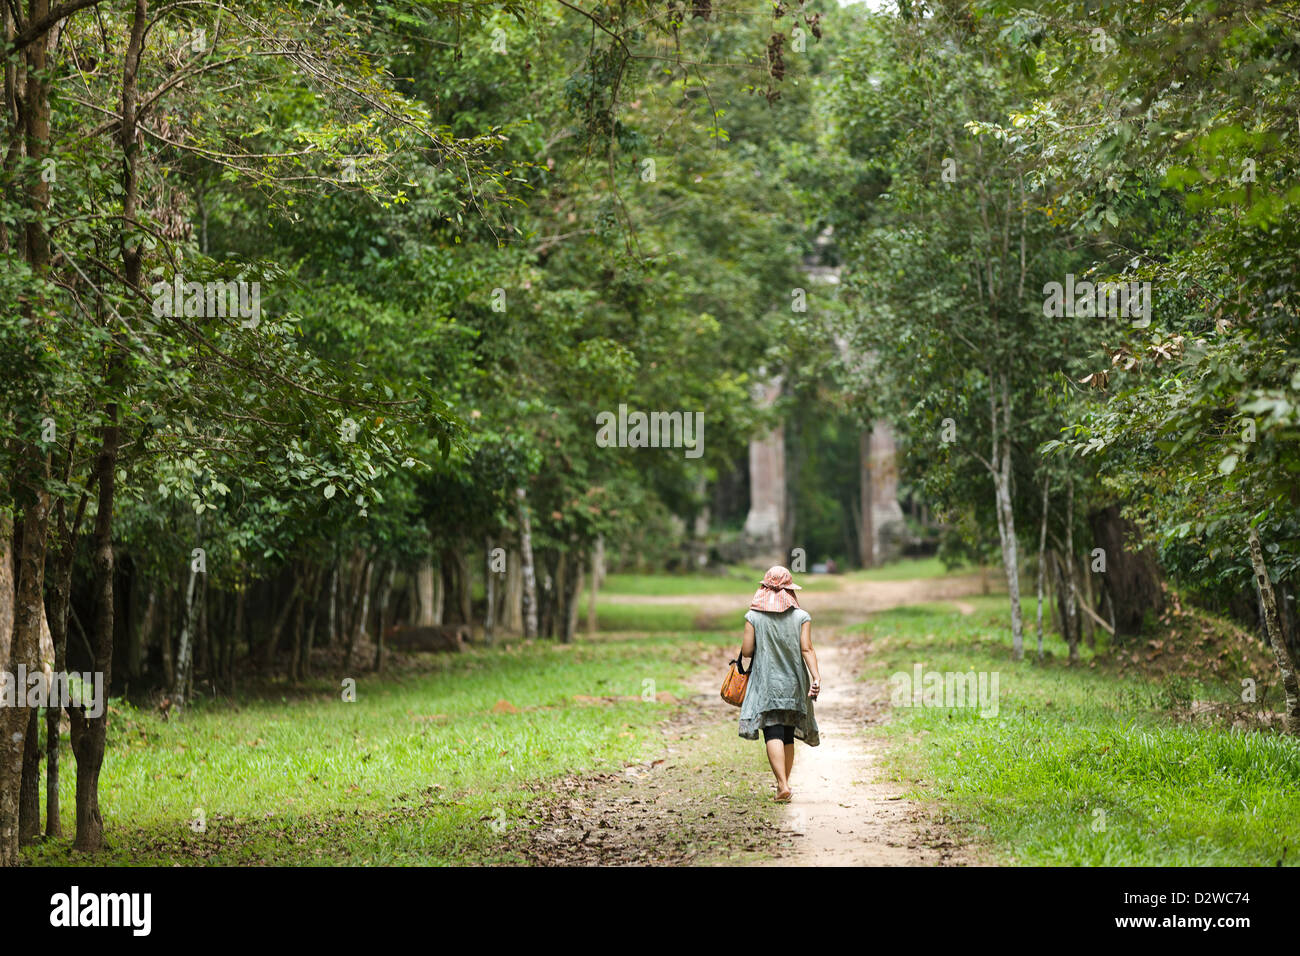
{"x":747,"y":643}
{"x":810,"y":658}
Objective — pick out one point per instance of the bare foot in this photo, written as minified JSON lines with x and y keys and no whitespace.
{"x":783,"y":796}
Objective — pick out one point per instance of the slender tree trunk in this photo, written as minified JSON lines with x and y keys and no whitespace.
{"x":185,"y":649}
{"x":1073,"y":624}
{"x":29,"y":791}
{"x":7,"y":589}
{"x":1088,"y":602}
{"x":526,"y":561}
{"x":549,"y":562}
{"x":457,"y":583}
{"x":573,"y":587}
{"x":89,"y":733}
{"x":385,"y":593}
{"x":595,"y":587}
{"x":489,"y":587}
{"x":170,"y":599}
{"x":866,"y":529}
{"x":360,"y":564}
{"x":24,"y":651}
{"x":439,"y":594}
{"x":334,"y":604}
{"x":60,"y":607}
{"x":512,"y":616}
{"x":29,"y":795}
{"x":203,"y":653}
{"x":1042,"y":556}
{"x":295,"y":650}
{"x":358,"y":631}
{"x":232,"y":639}
{"x":424,"y":577}
{"x":1011,"y":556}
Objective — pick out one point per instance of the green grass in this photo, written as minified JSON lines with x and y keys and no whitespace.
{"x":649,"y":618}
{"x":419,"y":769}
{"x":740,"y":580}
{"x":907,"y":569}
{"x":1083,"y":766}
{"x":736,"y":580}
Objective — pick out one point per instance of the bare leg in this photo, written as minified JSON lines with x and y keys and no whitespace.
{"x":776,"y":757}
{"x":789,"y":761}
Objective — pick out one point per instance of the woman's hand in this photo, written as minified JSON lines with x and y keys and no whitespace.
{"x":814,"y":689}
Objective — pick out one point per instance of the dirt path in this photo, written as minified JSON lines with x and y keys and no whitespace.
{"x":706,"y":798}
{"x":843,"y":812}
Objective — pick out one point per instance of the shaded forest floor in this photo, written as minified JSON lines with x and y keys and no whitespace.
{"x":617,"y":750}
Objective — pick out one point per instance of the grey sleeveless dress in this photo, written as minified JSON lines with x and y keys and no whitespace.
{"x":778,"y":681}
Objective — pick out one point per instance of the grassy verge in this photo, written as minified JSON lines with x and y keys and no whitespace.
{"x":434,"y":766}
{"x":907,"y":569}
{"x":736,"y":580}
{"x":1084,"y":764}
{"x":651,"y":618}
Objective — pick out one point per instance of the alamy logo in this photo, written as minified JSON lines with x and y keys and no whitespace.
{"x":133,"y":910}
{"x":1098,"y":299}
{"x":653,"y":430}
{"x":946,"y":689}
{"x":233,"y":299}
{"x":34,"y":689}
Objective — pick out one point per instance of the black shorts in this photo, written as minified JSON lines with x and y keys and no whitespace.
{"x":782,"y":732}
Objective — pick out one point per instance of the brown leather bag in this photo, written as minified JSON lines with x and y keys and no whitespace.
{"x":736,"y":682}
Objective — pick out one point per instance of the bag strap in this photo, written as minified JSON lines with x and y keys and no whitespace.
{"x":740,"y":662}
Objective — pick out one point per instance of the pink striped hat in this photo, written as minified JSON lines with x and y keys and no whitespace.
{"x":776,"y":593}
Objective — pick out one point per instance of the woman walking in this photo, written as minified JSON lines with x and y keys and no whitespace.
{"x":784,"y":679}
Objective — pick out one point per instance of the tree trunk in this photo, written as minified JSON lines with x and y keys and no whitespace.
{"x":1042,"y":556}
{"x":60,"y":607}
{"x":489,"y":587}
{"x":572,"y":588}
{"x":89,"y":733}
{"x":29,"y":794}
{"x":272,"y":646}
{"x":385,"y":593}
{"x":29,"y":791}
{"x":334,"y":604}
{"x":595,"y":586}
{"x":358,"y":631}
{"x":1286,"y":663}
{"x":1132,"y":575}
{"x":526,"y":562}
{"x":203,"y":653}
{"x":512,"y":604}
{"x":549,"y":562}
{"x":168,"y":622}
{"x":185,"y":648}
{"x":424,"y":585}
{"x":7,"y":588}
{"x":309,"y":637}
{"x":866,"y":532}
{"x":295,"y":650}
{"x":24,"y":651}
{"x":1010,"y":551}
{"x":232,"y":639}
{"x":1071,"y":595}
{"x":453,"y":559}
{"x":1088,"y":603}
